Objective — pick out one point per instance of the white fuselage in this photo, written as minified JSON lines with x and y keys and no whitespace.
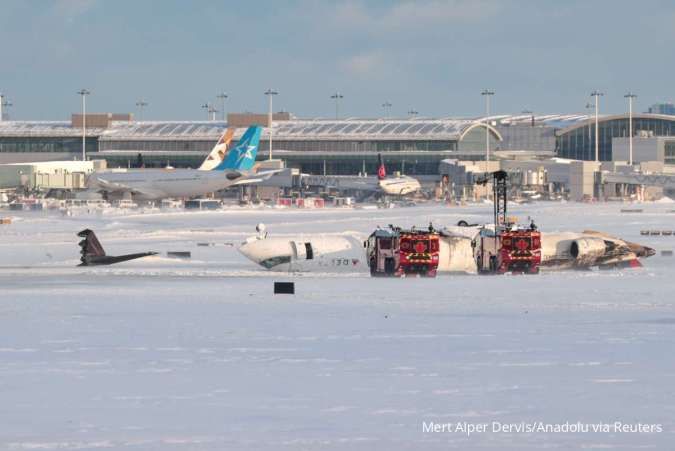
{"x":346,"y":253}
{"x":399,"y":186}
{"x":318,"y":253}
{"x":154,"y":184}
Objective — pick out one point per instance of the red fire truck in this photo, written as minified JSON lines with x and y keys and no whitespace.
{"x":396,"y":252}
{"x":520,"y":251}
{"x":507,"y":247}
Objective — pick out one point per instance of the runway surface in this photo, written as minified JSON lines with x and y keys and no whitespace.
{"x":193,"y":354}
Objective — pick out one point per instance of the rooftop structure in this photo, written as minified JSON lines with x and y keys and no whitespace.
{"x":338,"y":146}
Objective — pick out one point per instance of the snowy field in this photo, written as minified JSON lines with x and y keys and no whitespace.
{"x":200,"y":355}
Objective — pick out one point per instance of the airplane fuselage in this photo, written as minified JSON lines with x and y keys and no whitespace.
{"x":154,"y":184}
{"x":560,"y":250}
{"x":399,"y":186}
{"x":318,"y":253}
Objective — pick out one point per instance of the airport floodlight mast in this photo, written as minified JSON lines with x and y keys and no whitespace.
{"x":413,"y":113}
{"x":597,"y":95}
{"x":141,"y":104}
{"x":387,"y":108}
{"x":84,"y":93}
{"x":630,"y":96}
{"x":337,"y":96}
{"x":212,"y":113}
{"x":531,"y":114}
{"x":487,"y":94}
{"x":589,"y":107}
{"x":207,"y":108}
{"x":222,"y":97}
{"x":3,"y":104}
{"x":270,"y":93}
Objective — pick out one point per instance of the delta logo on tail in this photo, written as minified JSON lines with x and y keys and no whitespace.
{"x":381,"y":170}
{"x":242,"y":156}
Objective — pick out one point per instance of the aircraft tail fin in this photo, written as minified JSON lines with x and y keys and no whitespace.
{"x":381,"y":170}
{"x":90,"y":246}
{"x":242,"y":156}
{"x":218,"y":152}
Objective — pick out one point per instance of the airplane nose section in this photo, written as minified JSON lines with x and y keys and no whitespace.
{"x":647,"y":252}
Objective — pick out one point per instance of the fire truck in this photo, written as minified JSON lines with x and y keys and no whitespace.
{"x":396,"y":252}
{"x":508,"y":247}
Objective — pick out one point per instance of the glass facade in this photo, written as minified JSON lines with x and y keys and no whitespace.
{"x":346,"y":147}
{"x":360,"y":146}
{"x":669,"y":152}
{"x":294,"y":145}
{"x":579,"y":143}
{"x":159,"y":145}
{"x":474,"y":140}
{"x":342,"y":165}
{"x":527,"y":137}
{"x":47,"y":144}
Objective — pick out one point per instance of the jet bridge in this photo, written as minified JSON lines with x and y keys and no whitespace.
{"x":660,"y":180}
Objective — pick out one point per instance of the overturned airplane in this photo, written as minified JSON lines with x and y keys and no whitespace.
{"x":458,"y":251}
{"x":94,"y":255}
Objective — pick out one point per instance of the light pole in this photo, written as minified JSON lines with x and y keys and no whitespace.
{"x":207,"y":108}
{"x":589,"y":107}
{"x":597,"y":95}
{"x":630,"y":96}
{"x":337,"y":96}
{"x":141,"y":104}
{"x":387,"y":107}
{"x":487,"y":93}
{"x":222,"y":96}
{"x":84,"y":93}
{"x":531,"y":113}
{"x":3,"y":103}
{"x":412,"y":113}
{"x":212,"y":112}
{"x":270,"y":93}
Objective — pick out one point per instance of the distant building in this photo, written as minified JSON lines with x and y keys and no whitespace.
{"x":662,"y":108}
{"x":328,"y":146}
{"x":645,"y":149}
{"x":577,"y":141}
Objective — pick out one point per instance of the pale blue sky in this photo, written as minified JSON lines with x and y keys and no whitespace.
{"x":433,"y":56}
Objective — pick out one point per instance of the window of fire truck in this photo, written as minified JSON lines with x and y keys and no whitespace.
{"x":385,"y":243}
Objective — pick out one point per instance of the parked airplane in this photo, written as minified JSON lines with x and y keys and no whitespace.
{"x":400,"y":185}
{"x":94,"y":255}
{"x":324,"y":253}
{"x":218,"y":152}
{"x":216,"y":173}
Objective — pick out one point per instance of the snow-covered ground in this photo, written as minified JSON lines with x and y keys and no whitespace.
{"x":200,"y":355}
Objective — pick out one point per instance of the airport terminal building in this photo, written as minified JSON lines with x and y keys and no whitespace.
{"x":334,"y":147}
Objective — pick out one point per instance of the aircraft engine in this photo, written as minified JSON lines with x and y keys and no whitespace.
{"x":588,"y":250}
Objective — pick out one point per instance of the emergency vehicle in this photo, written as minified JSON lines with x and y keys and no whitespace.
{"x":397,"y":252}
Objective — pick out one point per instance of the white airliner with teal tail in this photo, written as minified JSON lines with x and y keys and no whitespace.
{"x":220,"y":170}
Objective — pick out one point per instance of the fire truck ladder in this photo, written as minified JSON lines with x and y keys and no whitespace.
{"x":499,"y":179}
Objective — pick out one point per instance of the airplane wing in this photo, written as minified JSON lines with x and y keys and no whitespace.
{"x":245,"y":179}
{"x":104,"y":185}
